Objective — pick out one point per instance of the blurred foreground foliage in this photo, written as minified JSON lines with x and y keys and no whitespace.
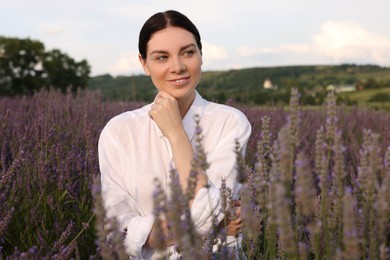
{"x":316,"y":181}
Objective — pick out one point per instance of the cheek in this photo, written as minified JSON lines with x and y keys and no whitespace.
{"x":157,"y":75}
{"x":157,"y":71}
{"x":198,"y":67}
{"x":196,"y":64}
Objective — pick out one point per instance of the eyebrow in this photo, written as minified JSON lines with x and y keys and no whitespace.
{"x":181,"y":49}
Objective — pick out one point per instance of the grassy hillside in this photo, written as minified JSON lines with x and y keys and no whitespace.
{"x":246,"y":85}
{"x":374,"y":98}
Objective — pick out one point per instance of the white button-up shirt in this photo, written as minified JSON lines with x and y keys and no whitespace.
{"x":133,"y":152}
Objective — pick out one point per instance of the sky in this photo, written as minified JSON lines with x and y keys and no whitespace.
{"x":235,"y":34}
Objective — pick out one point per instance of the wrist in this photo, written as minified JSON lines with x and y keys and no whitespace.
{"x":178,"y":137}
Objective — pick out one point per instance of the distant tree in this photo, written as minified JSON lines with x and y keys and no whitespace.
{"x":371,"y":83}
{"x":380,"y":97}
{"x":21,"y":69}
{"x":309,"y":100}
{"x":26,"y":67}
{"x":221,"y":98}
{"x":63,"y":71}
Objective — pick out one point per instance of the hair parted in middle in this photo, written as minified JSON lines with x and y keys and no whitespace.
{"x":162,"y":20}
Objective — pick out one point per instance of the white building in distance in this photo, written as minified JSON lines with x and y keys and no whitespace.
{"x":268,"y":84}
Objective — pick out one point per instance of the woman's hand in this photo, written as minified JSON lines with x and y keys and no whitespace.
{"x":153,"y":239}
{"x":233,"y":226}
{"x":165,"y":112}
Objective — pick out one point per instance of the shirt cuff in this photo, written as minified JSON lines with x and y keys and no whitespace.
{"x":206,"y":204}
{"x":137,"y":234}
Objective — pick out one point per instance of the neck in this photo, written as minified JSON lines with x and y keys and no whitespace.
{"x":185,"y":104}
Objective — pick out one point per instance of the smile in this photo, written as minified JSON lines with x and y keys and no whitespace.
{"x":179,"y":80}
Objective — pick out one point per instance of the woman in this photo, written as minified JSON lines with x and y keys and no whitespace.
{"x":137,"y":146}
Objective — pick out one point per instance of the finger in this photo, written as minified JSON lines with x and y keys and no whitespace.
{"x":150,"y":112}
{"x":238,"y":221}
{"x":158,"y":99}
{"x":161,"y":96}
{"x":238,"y":228}
{"x":163,"y":101}
{"x":235,"y":230}
{"x":166,"y":95}
{"x":238,"y":211}
{"x":236,"y":203}
{"x":163,"y":93}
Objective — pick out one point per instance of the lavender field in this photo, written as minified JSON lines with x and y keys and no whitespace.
{"x":316,"y":182}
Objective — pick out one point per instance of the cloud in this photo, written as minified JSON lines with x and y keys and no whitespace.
{"x":337,"y":42}
{"x":213,"y":53}
{"x":126,"y":64}
{"x":343,"y":41}
{"x":53,"y":29}
{"x":130,"y":11}
{"x":294,"y":48}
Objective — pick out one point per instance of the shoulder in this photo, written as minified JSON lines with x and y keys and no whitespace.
{"x":225,"y":121}
{"x":224,"y":125}
{"x":225,"y":113}
{"x":126,"y":121}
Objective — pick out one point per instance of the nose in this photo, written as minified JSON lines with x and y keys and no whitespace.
{"x":178,"y":65}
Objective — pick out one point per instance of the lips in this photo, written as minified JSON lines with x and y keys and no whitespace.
{"x":180,"y":81}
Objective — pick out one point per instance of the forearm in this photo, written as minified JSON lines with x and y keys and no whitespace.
{"x":153,"y":238}
{"x":182,"y":156}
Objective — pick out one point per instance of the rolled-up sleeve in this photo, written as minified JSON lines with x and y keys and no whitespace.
{"x":222,"y":160}
{"x":119,"y":204}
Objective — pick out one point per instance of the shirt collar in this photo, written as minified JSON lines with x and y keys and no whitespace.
{"x":189,"y":119}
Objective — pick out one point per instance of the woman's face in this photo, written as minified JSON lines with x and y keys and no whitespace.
{"x":173,"y":61}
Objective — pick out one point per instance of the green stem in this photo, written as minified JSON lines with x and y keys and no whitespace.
{"x":82,"y":230}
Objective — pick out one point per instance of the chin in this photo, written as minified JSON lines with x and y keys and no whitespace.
{"x":179,"y":94}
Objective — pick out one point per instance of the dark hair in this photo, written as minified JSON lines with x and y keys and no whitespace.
{"x":162,"y":20}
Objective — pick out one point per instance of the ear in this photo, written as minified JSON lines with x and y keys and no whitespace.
{"x":144,"y":65}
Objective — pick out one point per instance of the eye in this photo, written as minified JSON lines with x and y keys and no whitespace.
{"x":161,"y":57}
{"x":189,"y":53}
